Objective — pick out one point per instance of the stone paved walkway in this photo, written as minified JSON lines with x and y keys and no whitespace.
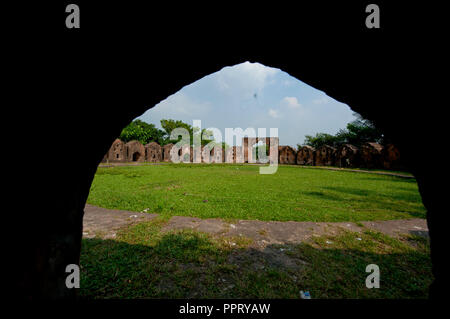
{"x":104,"y":223}
{"x":273,"y":232}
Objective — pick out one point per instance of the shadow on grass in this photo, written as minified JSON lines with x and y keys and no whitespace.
{"x":195,"y":265}
{"x":384,"y":178}
{"x":350,"y":190}
{"x":322,"y":195}
{"x":371,"y":200}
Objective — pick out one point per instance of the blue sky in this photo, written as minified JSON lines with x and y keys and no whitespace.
{"x":254,"y":95}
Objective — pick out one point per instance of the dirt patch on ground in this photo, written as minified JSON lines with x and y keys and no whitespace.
{"x":104,"y":223}
{"x":266,"y":257}
{"x":404,"y":226}
{"x":281,"y":233}
{"x":210,"y":225}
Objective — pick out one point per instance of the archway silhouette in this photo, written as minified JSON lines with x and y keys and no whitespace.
{"x":111,"y":138}
{"x":379,"y":88}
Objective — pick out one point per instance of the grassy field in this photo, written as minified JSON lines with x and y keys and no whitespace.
{"x":240,"y":192}
{"x":145,"y":262}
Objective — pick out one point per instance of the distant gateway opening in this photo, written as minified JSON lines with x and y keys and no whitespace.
{"x":136,"y":156}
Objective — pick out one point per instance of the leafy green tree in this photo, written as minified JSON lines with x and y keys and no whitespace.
{"x":169,"y":125}
{"x":143,"y":132}
{"x":321,"y":139}
{"x":361,"y":131}
{"x":357,"y":132}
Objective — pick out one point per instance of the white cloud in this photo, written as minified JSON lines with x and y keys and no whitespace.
{"x":274,"y":113}
{"x":257,"y":70}
{"x":291,"y":102}
{"x":244,"y":79}
{"x":178,"y":106}
{"x":181,"y":103}
{"x":322,"y":100}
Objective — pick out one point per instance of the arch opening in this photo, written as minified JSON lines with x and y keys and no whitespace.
{"x":303,"y":195}
{"x":136,"y":156}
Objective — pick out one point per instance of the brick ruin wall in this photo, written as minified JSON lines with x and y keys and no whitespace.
{"x":369,"y":155}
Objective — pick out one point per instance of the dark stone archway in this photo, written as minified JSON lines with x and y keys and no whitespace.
{"x":136,"y":156}
{"x":106,"y":76}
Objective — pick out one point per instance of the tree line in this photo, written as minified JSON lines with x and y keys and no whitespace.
{"x":147,"y":132}
{"x":357,"y":133}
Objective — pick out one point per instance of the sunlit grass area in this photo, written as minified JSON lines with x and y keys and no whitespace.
{"x":229,"y":191}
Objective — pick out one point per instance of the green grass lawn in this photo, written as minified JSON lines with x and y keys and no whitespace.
{"x":231,"y":191}
{"x":145,"y":262}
